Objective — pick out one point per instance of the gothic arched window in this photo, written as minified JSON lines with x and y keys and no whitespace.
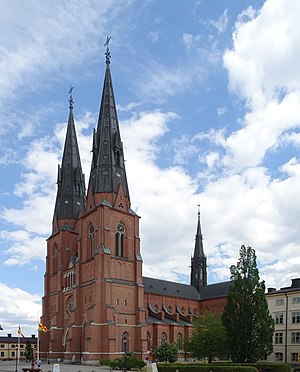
{"x":179,"y":341}
{"x":124,"y":342}
{"x":120,"y":240}
{"x":149,"y":344}
{"x":92,"y":240}
{"x":163,"y":338}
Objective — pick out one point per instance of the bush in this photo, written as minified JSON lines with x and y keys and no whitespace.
{"x":125,"y":363}
{"x":225,"y":367}
{"x":203,"y":368}
{"x":167,"y":352}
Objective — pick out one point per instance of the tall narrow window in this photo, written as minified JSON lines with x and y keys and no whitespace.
{"x":92,"y":240}
{"x":163,"y":338}
{"x":120,"y":240}
{"x":77,"y":189}
{"x":124,"y":342}
{"x":179,"y":341}
{"x":149,"y":343}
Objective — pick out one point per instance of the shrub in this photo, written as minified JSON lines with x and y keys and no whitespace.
{"x":125,"y":363}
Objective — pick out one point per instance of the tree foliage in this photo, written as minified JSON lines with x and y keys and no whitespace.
{"x":246,"y":316}
{"x":28,"y":353}
{"x":209,"y":337}
{"x":166,"y":352}
{"x":125,"y":363}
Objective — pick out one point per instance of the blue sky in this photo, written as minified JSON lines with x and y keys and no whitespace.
{"x":208,"y":96}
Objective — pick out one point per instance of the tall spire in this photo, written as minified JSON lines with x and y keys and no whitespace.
{"x":70,"y":198}
{"x":108,"y":166}
{"x":198,"y":261}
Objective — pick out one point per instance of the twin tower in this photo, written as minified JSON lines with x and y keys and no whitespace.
{"x":96,"y":302}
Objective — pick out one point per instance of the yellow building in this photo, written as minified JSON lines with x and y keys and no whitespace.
{"x":9,"y":346}
{"x":284,"y":305}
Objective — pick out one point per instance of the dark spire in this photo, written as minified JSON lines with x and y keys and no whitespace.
{"x":108,"y":167}
{"x":70,"y":198}
{"x":198,"y":262}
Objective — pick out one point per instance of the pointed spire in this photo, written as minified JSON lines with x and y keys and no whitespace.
{"x":198,"y":261}
{"x":108,"y":164}
{"x":70,"y":198}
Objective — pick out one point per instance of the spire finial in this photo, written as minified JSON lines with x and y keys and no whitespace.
{"x":71,"y":99}
{"x":107,"y":53}
{"x":198,"y":205}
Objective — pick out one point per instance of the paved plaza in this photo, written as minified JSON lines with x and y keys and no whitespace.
{"x":10,"y":366}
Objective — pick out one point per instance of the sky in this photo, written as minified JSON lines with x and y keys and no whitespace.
{"x":208,"y":96}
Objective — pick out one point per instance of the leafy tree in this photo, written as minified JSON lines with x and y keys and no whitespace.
{"x":209,"y":337}
{"x":166,"y":352}
{"x":246,"y":316}
{"x":28,"y":353}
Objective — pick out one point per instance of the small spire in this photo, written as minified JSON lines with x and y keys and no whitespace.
{"x":107,"y":53}
{"x":71,"y":99}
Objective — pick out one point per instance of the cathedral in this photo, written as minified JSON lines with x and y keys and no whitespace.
{"x":96,"y":303}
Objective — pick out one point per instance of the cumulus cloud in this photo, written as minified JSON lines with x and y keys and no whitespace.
{"x":17,"y":304}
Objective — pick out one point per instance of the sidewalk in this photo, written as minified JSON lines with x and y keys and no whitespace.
{"x":9,"y":366}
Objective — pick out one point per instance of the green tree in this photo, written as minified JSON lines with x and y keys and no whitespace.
{"x":166,"y":352}
{"x":28,"y":353}
{"x":209,"y":337}
{"x":246,"y":316}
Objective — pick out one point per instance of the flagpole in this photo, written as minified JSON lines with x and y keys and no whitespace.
{"x":18,"y":348}
{"x":38,"y":346}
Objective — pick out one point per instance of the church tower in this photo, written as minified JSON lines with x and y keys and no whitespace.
{"x":198,"y":261}
{"x":94,"y":293}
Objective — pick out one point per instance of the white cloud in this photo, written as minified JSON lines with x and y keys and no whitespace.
{"x":17,"y":304}
{"x":221,"y":23}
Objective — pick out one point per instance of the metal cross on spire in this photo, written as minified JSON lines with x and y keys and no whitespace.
{"x":107,"y":53}
{"x":71,"y":99}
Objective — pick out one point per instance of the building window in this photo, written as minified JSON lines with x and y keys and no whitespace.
{"x":13,"y":354}
{"x":278,"y":357}
{"x":2,"y":354}
{"x":125,"y":302}
{"x":2,"y":346}
{"x":296,"y":300}
{"x":278,"y":338}
{"x":92,"y":240}
{"x":179,"y":341}
{"x":124,"y":342}
{"x":163,"y":338}
{"x":295,"y":337}
{"x":294,"y":357}
{"x":149,"y":343}
{"x":296,"y":317}
{"x":279,"y":302}
{"x":120,"y":240}
{"x":279,"y":318}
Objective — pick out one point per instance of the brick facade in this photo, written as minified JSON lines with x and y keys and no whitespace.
{"x":96,"y":303}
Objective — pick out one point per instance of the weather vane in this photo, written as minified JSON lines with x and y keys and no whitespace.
{"x":107,"y":53}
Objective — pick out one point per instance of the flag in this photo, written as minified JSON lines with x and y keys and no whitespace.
{"x":1,"y":329}
{"x":20,"y":332}
{"x":42,"y":328}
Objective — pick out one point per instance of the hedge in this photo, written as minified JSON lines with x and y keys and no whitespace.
{"x":224,"y":367}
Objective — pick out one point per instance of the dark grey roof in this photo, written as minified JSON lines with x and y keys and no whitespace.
{"x":108,"y":164}
{"x":151,"y":320}
{"x":164,"y":287}
{"x":14,"y":340}
{"x":70,"y":197}
{"x":215,"y":290}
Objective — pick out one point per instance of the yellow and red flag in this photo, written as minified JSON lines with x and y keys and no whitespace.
{"x":20,"y":332}
{"x":42,"y":328}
